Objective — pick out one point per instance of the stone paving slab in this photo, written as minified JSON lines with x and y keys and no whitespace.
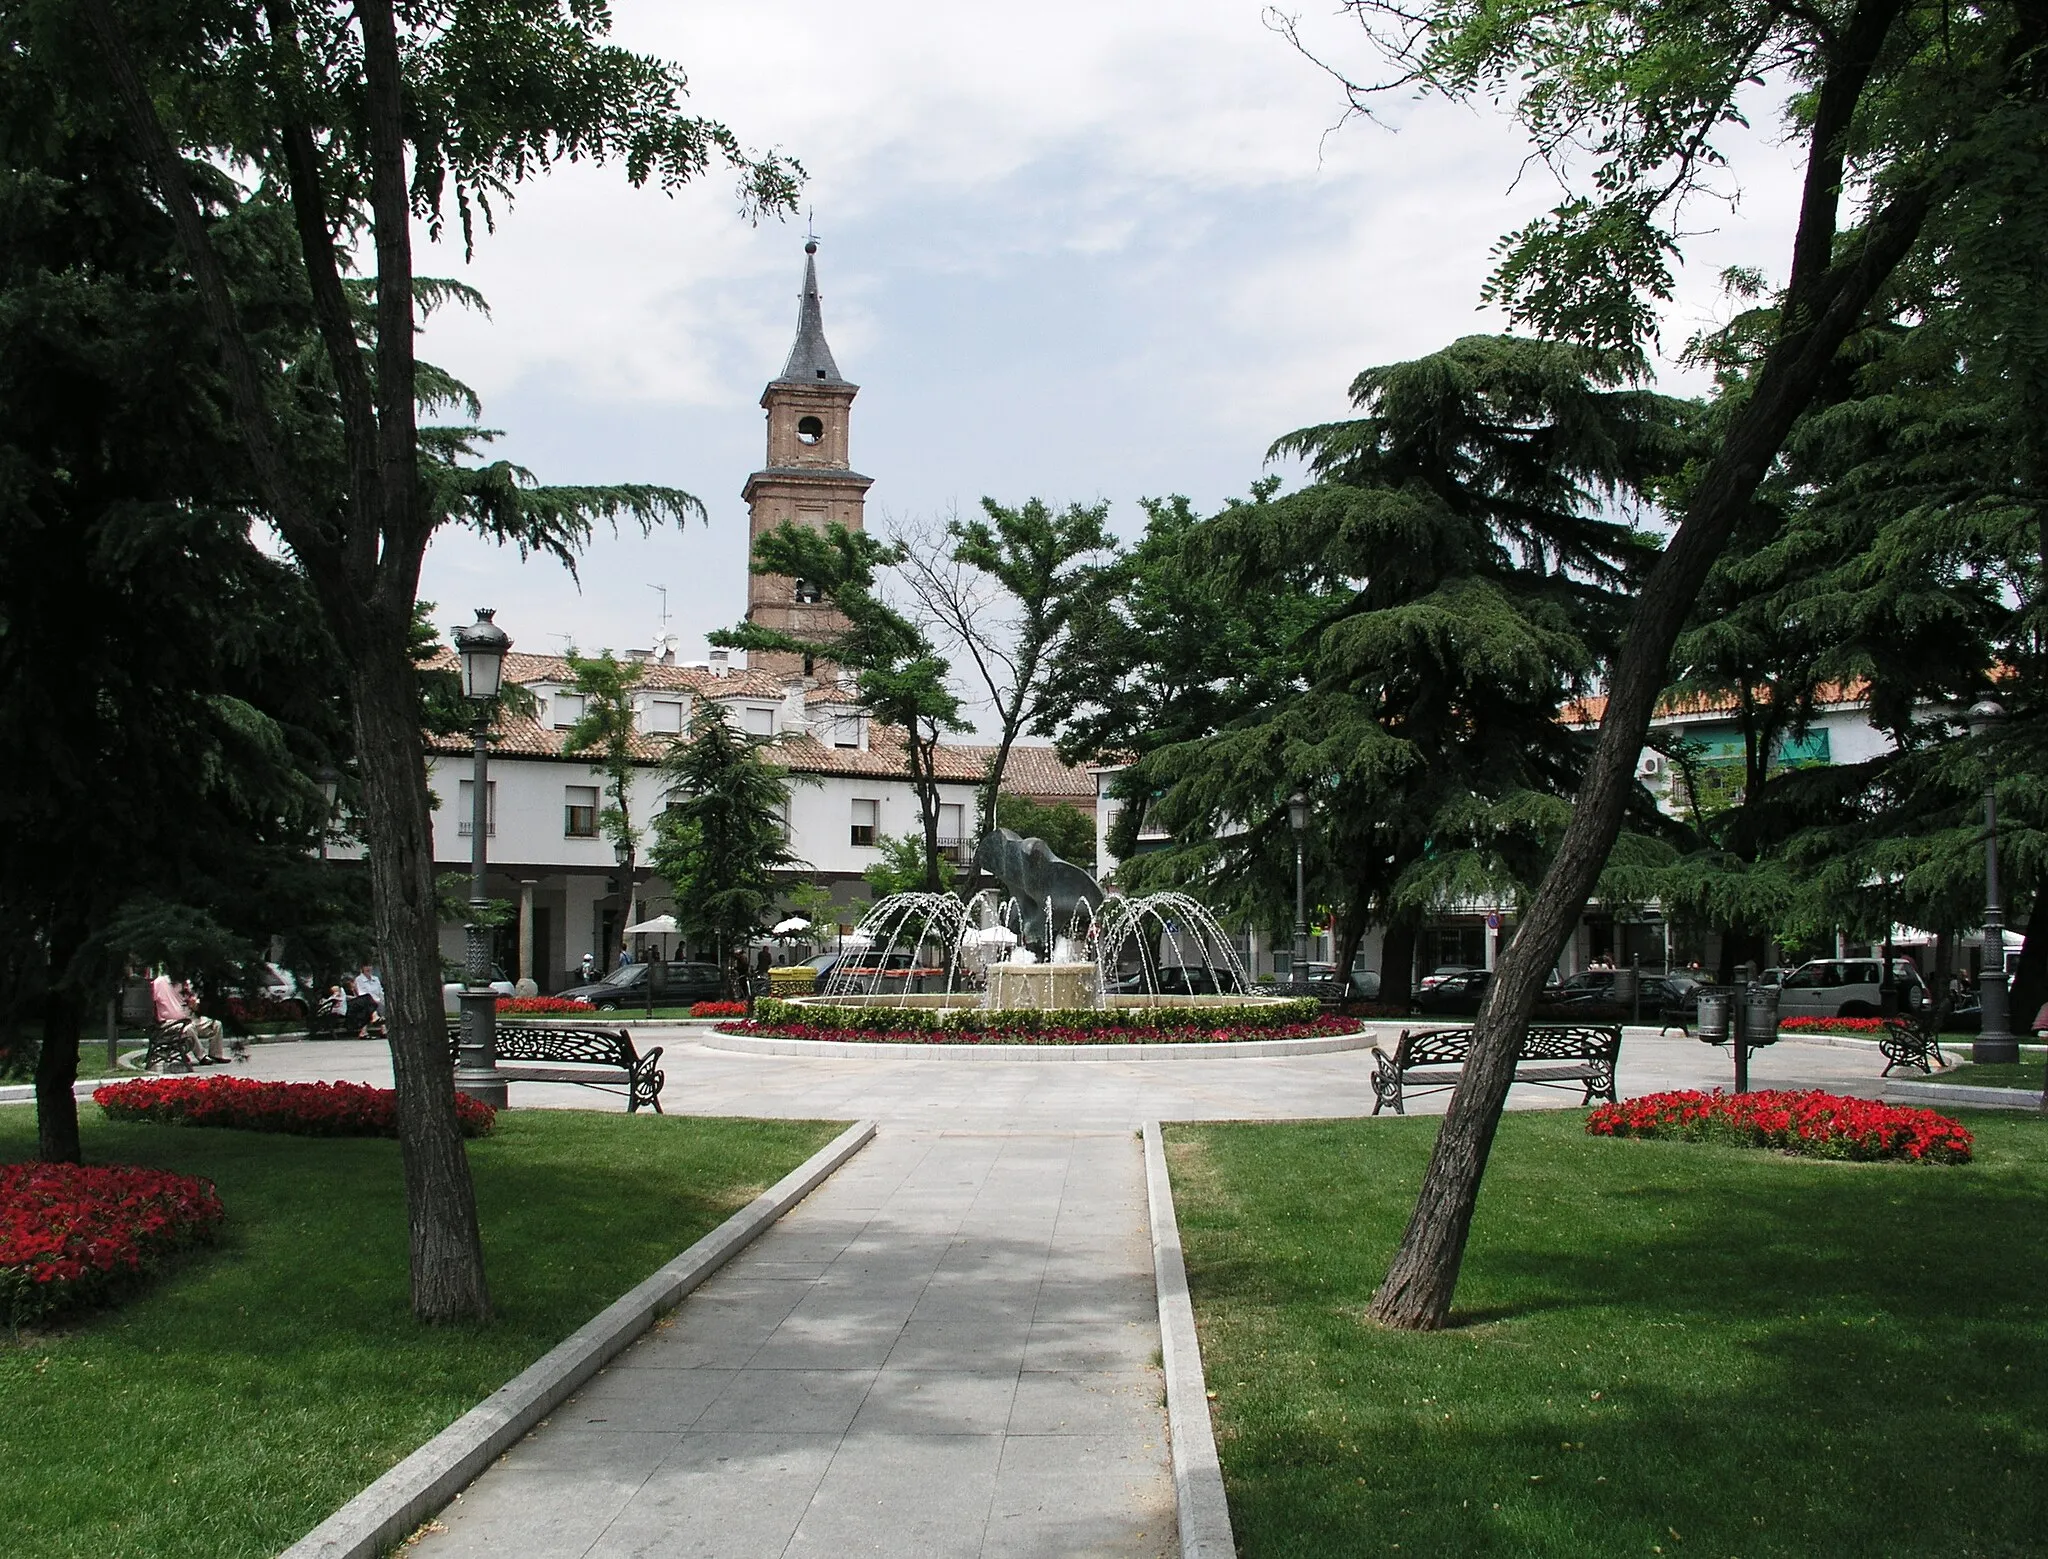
{"x":948,"y":1349}
{"x":1001,"y":1096}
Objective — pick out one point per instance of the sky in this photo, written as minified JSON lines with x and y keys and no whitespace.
{"x":1077,"y":251}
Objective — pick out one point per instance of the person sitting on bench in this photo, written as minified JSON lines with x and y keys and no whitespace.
{"x":174,"y":1012}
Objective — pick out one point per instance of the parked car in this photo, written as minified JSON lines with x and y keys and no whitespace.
{"x":1443,"y":972}
{"x":1656,"y":992}
{"x":1455,"y":993}
{"x":627,"y":986}
{"x":1846,"y":988}
{"x":862,"y":965}
{"x":1176,"y":980}
{"x":1364,"y":984}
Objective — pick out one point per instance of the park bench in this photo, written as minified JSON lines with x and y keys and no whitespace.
{"x":167,"y":1050}
{"x":1913,"y":1039}
{"x":568,"y":1055}
{"x":1565,"y":1056}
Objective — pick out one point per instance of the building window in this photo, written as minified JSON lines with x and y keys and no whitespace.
{"x":867,"y":821}
{"x":952,"y":832}
{"x":758,"y":720}
{"x":568,"y":710}
{"x":846,"y":731}
{"x":465,"y":803}
{"x":664,"y":716}
{"x":579,"y":811}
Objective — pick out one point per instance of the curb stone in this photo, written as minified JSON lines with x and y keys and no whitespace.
{"x":1197,"y":1475}
{"x":385,"y":1512}
{"x":1957,"y":1093}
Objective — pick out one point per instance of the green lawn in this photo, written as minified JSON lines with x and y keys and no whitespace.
{"x":262,"y":1383}
{"x":1663,"y":1347}
{"x":2024,"y":1073}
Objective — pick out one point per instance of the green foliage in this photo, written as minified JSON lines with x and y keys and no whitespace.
{"x":902,"y":868}
{"x":606,"y":729}
{"x":721,"y":841}
{"x":898,"y":676}
{"x":1069,"y":830}
{"x":1409,"y":626}
{"x":881,"y":1019}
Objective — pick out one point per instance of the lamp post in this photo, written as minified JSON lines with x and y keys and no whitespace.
{"x":481,"y":645}
{"x":1995,"y":1041}
{"x":1297,"y":814}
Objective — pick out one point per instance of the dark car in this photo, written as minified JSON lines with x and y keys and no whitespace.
{"x":1364,"y":984}
{"x":1176,"y":980}
{"x":1658,"y":992}
{"x":1454,"y":995}
{"x":627,"y":986}
{"x":863,"y":967}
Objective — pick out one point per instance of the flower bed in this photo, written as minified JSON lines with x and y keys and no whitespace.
{"x":718,"y":1009}
{"x":1093,"y":1032}
{"x":1870,"y":1026}
{"x":1813,"y":1124}
{"x":72,"y":1235}
{"x":920,"y":1025}
{"x":541,"y":1007}
{"x":244,"y":1104}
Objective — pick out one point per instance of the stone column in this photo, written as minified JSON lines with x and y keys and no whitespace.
{"x":526,"y":887}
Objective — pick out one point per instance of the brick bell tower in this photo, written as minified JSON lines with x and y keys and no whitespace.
{"x":806,"y":481}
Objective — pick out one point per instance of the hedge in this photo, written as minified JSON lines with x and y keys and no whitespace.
{"x":879,"y":1018}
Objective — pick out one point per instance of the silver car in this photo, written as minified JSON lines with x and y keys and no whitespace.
{"x":1846,"y":988}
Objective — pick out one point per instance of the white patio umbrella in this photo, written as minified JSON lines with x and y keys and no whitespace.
{"x":990,"y":936}
{"x":660,"y":925}
{"x":790,"y":927}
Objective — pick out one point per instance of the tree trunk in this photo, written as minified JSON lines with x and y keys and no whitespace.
{"x":56,"y":1070}
{"x":1824,"y":303}
{"x":447,"y":1249}
{"x":1397,"y":961}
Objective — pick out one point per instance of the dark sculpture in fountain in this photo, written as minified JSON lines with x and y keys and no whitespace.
{"x":1049,"y":891}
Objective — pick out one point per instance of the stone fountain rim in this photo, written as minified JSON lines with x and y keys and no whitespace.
{"x":1367,"y":1037}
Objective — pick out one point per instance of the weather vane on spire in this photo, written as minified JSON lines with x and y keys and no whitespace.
{"x":811,"y":231}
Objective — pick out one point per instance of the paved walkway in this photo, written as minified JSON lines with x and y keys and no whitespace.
{"x":948,"y":1349}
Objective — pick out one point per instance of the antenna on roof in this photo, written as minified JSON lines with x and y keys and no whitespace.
{"x":662,"y":591}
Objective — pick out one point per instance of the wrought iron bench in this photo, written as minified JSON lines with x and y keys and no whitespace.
{"x":1912,"y":1040}
{"x":168,"y":1049}
{"x":565,"y":1055}
{"x":1576,"y":1056}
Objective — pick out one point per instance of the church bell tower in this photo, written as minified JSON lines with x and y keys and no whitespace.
{"x":806,"y":480}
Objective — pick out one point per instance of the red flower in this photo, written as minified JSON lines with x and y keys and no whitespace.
{"x":719,"y":1009}
{"x":1813,"y":1123}
{"x":541,"y":1006}
{"x":70,"y":1234}
{"x":1015,"y":1029}
{"x":303,"y":1109}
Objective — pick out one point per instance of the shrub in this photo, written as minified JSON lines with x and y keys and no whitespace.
{"x":541,"y":1007}
{"x":1813,"y":1124}
{"x":718,"y":1009}
{"x":244,"y":1104}
{"x":920,"y":1022}
{"x":70,"y":1235}
{"x":1089,"y":1029}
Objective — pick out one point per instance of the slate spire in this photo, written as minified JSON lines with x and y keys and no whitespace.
{"x":810,"y":360}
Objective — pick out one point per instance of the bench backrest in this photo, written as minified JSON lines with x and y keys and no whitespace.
{"x":1566,"y":1042}
{"x":524,"y":1042}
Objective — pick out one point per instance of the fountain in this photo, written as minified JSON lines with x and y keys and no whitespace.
{"x":1049,"y":939}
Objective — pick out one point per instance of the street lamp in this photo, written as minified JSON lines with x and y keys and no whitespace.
{"x":481,"y":645}
{"x":1297,"y":814}
{"x":1995,"y":1041}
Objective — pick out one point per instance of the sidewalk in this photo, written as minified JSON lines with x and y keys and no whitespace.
{"x":948,"y":1349}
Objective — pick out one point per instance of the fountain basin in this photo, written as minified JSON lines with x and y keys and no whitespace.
{"x":1065,"y":986}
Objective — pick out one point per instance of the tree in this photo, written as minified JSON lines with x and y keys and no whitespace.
{"x":1909,"y":109}
{"x":166,"y":692}
{"x":1069,"y":830}
{"x":606,"y":727}
{"x":367,"y":120}
{"x":1452,"y":575}
{"x":898,"y":676}
{"x":1003,"y":589}
{"x":722,"y":838}
{"x":904,"y":868}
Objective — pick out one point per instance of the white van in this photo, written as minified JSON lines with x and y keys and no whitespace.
{"x":1846,"y":988}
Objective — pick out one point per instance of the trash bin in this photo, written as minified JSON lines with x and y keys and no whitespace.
{"x":1714,"y":1007}
{"x":1626,"y":984}
{"x":1760,"y":1016}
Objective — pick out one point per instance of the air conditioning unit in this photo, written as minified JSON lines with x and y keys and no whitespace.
{"x":1649,"y":766}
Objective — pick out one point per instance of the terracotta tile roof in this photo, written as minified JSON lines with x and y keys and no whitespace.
{"x":1037,"y":772}
{"x":1589,"y":711}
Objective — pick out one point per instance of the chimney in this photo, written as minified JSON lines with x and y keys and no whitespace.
{"x":795,"y":719}
{"x":721,"y":662}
